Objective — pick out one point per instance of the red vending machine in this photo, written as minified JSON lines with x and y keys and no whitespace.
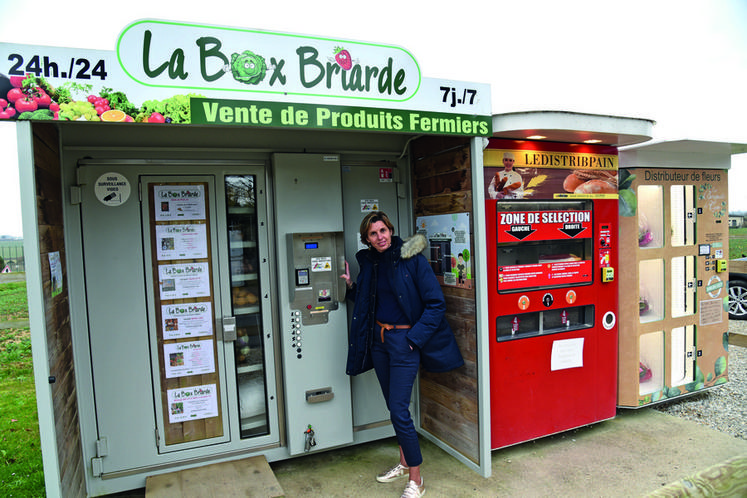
{"x":551,"y":214}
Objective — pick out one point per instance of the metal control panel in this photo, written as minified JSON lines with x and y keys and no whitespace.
{"x":316,"y":288}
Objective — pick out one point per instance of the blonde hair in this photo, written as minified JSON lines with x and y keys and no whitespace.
{"x":369,"y":220}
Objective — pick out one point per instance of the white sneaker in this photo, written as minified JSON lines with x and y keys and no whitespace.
{"x":412,"y":490}
{"x":394,"y":473}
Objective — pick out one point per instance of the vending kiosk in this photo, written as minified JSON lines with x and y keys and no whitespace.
{"x":185,"y":246}
{"x":552,"y":286}
{"x":674,"y":243}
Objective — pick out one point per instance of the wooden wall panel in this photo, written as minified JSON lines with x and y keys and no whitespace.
{"x":48,"y":181}
{"x":449,"y":401}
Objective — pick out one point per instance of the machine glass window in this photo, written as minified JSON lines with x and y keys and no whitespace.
{"x":241,"y":215}
{"x":544,"y":244}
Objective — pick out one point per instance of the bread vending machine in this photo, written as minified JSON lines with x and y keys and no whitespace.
{"x":551,"y":216}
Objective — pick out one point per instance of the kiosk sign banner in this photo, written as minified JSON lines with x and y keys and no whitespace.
{"x":171,"y":72}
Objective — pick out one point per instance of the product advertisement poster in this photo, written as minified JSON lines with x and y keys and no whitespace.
{"x":162,"y":72}
{"x":181,"y":241}
{"x":192,"y":403}
{"x":182,"y":281}
{"x":179,"y":321}
{"x":515,"y":170}
{"x":179,"y":202}
{"x":189,"y":358}
{"x":448,"y":249}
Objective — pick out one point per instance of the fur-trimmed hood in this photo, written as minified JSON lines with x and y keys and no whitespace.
{"x":412,"y":246}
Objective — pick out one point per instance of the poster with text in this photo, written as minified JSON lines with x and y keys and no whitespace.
{"x":192,"y":403}
{"x":181,"y":241}
{"x":182,"y":281}
{"x":179,"y":202}
{"x":186,"y":320}
{"x":189,"y":358}
{"x":448,"y":250}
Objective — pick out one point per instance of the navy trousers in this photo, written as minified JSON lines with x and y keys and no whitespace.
{"x":396,"y":367}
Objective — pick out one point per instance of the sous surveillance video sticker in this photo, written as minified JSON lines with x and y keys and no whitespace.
{"x":112,"y":189}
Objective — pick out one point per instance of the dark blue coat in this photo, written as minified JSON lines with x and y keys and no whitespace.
{"x":420,"y":299}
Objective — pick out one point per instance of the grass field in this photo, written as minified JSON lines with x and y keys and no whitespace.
{"x":737,"y":242}
{"x":21,"y":472}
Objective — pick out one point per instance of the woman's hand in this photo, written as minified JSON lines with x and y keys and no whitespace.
{"x":346,"y":276}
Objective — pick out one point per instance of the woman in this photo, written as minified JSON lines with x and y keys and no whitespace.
{"x":398,"y":323}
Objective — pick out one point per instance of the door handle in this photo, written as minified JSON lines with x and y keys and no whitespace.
{"x":229,"y":328}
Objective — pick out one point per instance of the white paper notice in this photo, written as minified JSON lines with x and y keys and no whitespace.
{"x":179,"y":202}
{"x":192,"y":403}
{"x":189,"y":358}
{"x":568,"y":353}
{"x":186,"y":320}
{"x":181,"y":241}
{"x":184,"y":280}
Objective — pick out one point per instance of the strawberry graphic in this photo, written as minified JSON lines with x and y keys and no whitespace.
{"x":342,"y":56}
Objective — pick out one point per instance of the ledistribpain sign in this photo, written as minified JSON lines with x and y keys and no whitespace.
{"x":172,"y":72}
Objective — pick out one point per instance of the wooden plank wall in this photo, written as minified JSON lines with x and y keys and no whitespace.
{"x":48,"y":180}
{"x":448,"y":401}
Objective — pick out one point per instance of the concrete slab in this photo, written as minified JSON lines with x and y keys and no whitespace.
{"x":635,"y":454}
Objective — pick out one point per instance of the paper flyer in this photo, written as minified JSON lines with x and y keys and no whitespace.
{"x":179,"y":321}
{"x":567,"y":353}
{"x":183,"y":281}
{"x":181,"y":241}
{"x":189,"y":358}
{"x":192,"y":403}
{"x":179,"y":202}
{"x":55,"y":270}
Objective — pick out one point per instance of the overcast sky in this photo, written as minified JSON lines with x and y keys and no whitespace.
{"x":681,"y":63}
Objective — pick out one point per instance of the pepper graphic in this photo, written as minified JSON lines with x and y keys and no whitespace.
{"x":248,"y":67}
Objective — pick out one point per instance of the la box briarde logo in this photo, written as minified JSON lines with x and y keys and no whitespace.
{"x":178,"y":55}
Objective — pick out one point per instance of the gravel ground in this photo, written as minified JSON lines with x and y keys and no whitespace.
{"x":723,"y":408}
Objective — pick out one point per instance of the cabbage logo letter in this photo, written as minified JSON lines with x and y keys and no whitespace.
{"x":248,"y":67}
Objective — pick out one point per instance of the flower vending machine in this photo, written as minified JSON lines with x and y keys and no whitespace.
{"x":551,"y":216}
{"x":674,"y":238}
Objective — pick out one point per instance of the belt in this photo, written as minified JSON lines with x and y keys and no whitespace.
{"x":387,"y":326}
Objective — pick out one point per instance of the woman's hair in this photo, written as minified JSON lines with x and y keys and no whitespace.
{"x":369,"y":220}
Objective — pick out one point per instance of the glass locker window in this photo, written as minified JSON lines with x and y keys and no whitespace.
{"x":651,"y":290}
{"x":683,"y":355}
{"x":682,"y":200}
{"x":650,"y":216}
{"x":241,"y":216}
{"x":651,"y":363}
{"x":683,"y":286}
